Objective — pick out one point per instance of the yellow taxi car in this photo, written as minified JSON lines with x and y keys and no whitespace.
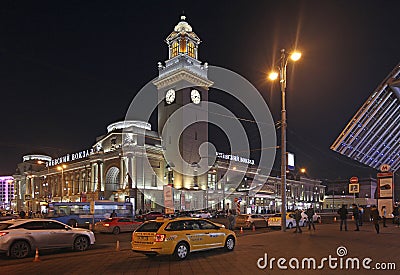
{"x":276,"y":220}
{"x":180,"y":236}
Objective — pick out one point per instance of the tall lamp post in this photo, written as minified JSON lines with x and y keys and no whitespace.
{"x":282,"y":79}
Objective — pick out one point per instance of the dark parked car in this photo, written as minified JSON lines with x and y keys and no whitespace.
{"x":150,"y":216}
{"x":116,"y":225}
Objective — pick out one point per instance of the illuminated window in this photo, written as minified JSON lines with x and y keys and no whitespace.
{"x":191,"y":50}
{"x":174,"y":51}
{"x":182,"y":48}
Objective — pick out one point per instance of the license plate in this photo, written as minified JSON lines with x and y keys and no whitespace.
{"x":142,"y":238}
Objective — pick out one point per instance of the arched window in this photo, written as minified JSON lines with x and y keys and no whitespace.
{"x":182,"y":48}
{"x":191,"y":49}
{"x":174,"y":50}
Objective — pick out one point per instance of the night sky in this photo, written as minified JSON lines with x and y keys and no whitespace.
{"x":70,"y":68}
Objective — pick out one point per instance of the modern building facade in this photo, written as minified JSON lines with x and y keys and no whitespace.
{"x":6,"y":192}
{"x":131,"y":162}
{"x":372,"y":136}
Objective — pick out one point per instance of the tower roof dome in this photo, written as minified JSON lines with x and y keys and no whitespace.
{"x":183,"y":29}
{"x":183,"y":26}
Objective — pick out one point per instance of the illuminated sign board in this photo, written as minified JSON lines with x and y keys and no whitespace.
{"x":70,"y":157}
{"x":235,"y":158}
{"x":290,"y":161}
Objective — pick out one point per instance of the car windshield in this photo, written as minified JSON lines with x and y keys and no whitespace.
{"x":5,"y":225}
{"x":149,"y":227}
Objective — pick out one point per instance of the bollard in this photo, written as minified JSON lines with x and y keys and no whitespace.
{"x":352,"y":218}
{"x":117,"y":248}
{"x":254,"y":227}
{"x":334,"y":219}
{"x":36,"y":256}
{"x":241,"y":229}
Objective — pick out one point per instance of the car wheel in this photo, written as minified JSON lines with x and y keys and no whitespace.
{"x":81,"y":243}
{"x":20,"y":249}
{"x":181,"y":251}
{"x":230,"y":243}
{"x":116,"y":230}
{"x":290,"y":225}
{"x":72,"y":223}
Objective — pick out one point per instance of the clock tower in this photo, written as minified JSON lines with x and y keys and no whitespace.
{"x":182,"y":86}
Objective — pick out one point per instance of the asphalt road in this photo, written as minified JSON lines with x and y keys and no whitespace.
{"x":252,"y":247}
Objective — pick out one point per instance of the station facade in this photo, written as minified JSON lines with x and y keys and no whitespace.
{"x":129,"y":163}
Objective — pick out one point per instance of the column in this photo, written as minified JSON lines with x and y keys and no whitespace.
{"x":99,"y":176}
{"x":132,"y":170}
{"x":93,"y":178}
{"x":122,"y":173}
{"x":62,"y":184}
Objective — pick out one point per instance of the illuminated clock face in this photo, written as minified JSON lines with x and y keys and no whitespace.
{"x":195,"y":96}
{"x":170,"y":96}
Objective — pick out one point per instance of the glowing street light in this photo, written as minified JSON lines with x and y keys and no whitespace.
{"x":282,"y":76}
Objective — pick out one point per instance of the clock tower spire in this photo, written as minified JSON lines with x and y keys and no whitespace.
{"x":181,"y":81}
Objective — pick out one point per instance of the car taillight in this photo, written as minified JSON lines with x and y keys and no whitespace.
{"x":3,"y":234}
{"x":160,"y":237}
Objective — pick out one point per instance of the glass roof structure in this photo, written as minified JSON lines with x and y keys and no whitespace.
{"x":372,"y":136}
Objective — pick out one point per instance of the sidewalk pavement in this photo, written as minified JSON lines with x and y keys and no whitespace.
{"x":326,"y":242}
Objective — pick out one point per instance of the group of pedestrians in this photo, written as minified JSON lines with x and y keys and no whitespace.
{"x":310,"y":219}
{"x":375,"y":216}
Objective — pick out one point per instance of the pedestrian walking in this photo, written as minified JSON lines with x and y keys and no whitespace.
{"x":396,"y":213}
{"x":297,"y":218}
{"x":375,"y":217}
{"x":343,"y":217}
{"x":22,"y":214}
{"x":231,"y":220}
{"x":113,"y":214}
{"x":356,"y":215}
{"x":383,"y":214}
{"x":361,"y":213}
{"x":310,"y":217}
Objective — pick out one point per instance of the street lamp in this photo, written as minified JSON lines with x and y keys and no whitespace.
{"x":282,"y":75}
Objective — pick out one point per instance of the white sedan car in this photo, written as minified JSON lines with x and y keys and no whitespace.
{"x":20,"y":238}
{"x":201,"y":214}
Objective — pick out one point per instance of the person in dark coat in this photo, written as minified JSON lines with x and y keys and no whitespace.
{"x":231,"y":220}
{"x":375,"y":217}
{"x":396,"y":214}
{"x":361,"y":213}
{"x":343,"y":217}
{"x":356,"y":215}
{"x":22,"y":214}
{"x":310,"y":217}
{"x":297,"y":217}
{"x":383,"y":214}
{"x":113,"y":214}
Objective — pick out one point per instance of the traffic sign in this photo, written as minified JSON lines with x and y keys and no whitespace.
{"x":353,"y":180}
{"x":384,"y":168}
